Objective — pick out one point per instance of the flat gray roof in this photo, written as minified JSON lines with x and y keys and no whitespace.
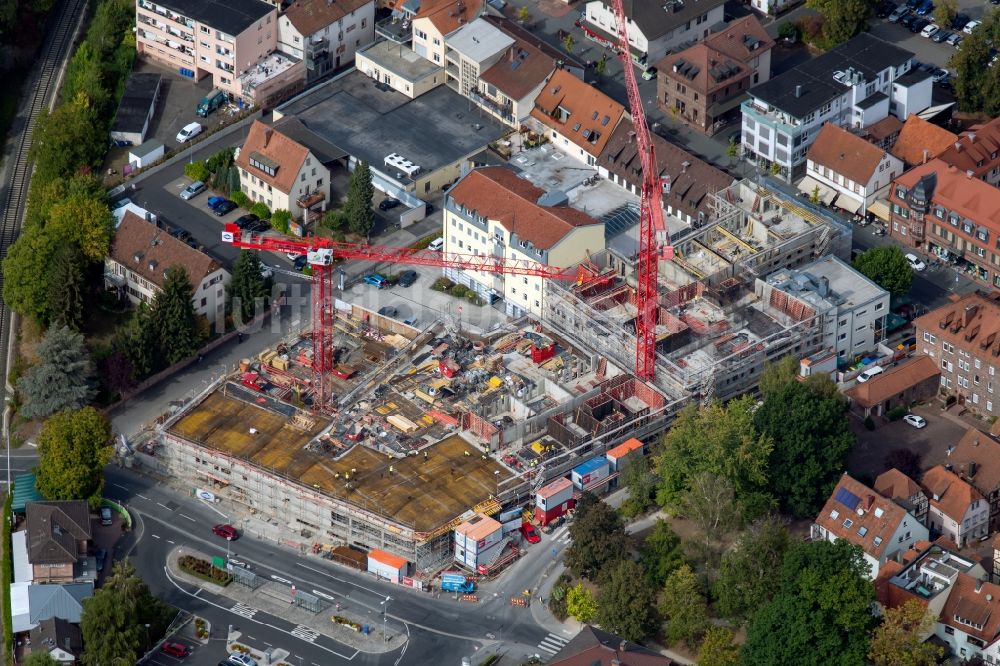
{"x":479,"y":40}
{"x":401,"y":60}
{"x":370,"y":123}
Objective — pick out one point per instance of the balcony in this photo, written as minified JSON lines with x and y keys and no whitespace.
{"x":916,"y":228}
{"x":225,"y":53}
{"x":503,"y":111}
{"x":770,"y":118}
{"x":395,"y":30}
{"x":317,"y":46}
{"x":307,"y":201}
{"x":164,"y":28}
{"x":452,"y":70}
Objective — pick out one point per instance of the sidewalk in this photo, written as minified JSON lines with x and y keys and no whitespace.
{"x":270,"y":598}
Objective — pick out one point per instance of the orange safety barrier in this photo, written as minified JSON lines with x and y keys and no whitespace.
{"x":518,"y":601}
{"x":469,"y":597}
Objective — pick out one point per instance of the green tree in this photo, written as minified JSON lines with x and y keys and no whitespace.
{"x":640,"y":480}
{"x":661,"y":554}
{"x":580,"y":603}
{"x":84,"y":221}
{"x":63,"y":377}
{"x":523,"y":15}
{"x":814,"y":195}
{"x":600,"y":67}
{"x":73,"y":448}
{"x":749,"y":574}
{"x":568,"y":43}
{"x":85,"y":76}
{"x":336,"y":220}
{"x":280,"y":220}
{"x":899,"y":639}
{"x":733,"y":149}
{"x":197,"y":170}
{"x":136,"y":340}
{"x":945,"y":12}
{"x":710,"y":502}
{"x":360,"y":216}
{"x":788,"y":31}
{"x":25,"y":269}
{"x":66,"y":286}
{"x":39,"y":658}
{"x":842,"y":19}
{"x":261,"y":210}
{"x":683,"y":607}
{"x":822,"y":613}
{"x":246,"y":290}
{"x":67,"y":139}
{"x":972,"y":75}
{"x":719,"y":439}
{"x":886,"y":266}
{"x":718,"y":648}
{"x":809,"y":425}
{"x":598,"y":538}
{"x":173,"y":319}
{"x":625,"y":602}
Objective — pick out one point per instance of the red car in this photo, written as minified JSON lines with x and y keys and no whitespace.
{"x":178,"y":650}
{"x":226,"y":532}
{"x":530,"y":535}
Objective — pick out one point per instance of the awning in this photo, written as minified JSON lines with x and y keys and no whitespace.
{"x":809,"y":184}
{"x":880,"y":209}
{"x":850,"y":204}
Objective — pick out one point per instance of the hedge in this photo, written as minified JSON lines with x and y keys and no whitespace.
{"x":205,"y":570}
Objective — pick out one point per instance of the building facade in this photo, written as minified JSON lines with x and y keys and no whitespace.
{"x":956,"y":510}
{"x":858,"y":171}
{"x":435,"y":20}
{"x":324,"y":34}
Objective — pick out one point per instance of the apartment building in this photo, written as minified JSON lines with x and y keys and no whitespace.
{"x":706,"y":83}
{"x":964,"y":339}
{"x":140,"y":255}
{"x":977,"y":151}
{"x":920,"y":141}
{"x":939,"y":210}
{"x":654,"y":28}
{"x":854,"y":85}
{"x":956,"y":510}
{"x":852,"y":170}
{"x":326,"y":33}
{"x":976,"y":459}
{"x":493,"y":212}
{"x":435,"y":20}
{"x":218,"y":38}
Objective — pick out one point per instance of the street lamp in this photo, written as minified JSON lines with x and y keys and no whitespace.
{"x":385,"y":613}
{"x":147,"y":636}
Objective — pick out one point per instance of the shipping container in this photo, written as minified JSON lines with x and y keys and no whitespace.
{"x":386,"y":565}
{"x":622,"y":455}
{"x":553,"y":500}
{"x":590,"y":473}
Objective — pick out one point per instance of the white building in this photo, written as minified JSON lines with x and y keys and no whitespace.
{"x":326,"y":34}
{"x":477,"y":541}
{"x":854,"y":308}
{"x":140,"y":255}
{"x":853,"y":85}
{"x":957,"y":510}
{"x":772,"y":7}
{"x":843,"y":165}
{"x":493,"y":212}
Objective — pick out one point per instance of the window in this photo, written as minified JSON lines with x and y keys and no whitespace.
{"x":848,"y":522}
{"x":877,"y":541}
{"x":862,"y":531}
{"x":834,"y":514}
{"x":269,"y":169}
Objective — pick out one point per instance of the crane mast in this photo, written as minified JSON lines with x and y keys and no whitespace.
{"x":650,"y":214}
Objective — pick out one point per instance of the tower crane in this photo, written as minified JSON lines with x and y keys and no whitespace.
{"x":651,"y":223}
{"x":321,"y":254}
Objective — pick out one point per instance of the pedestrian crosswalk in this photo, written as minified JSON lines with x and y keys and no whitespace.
{"x":552,"y":643}
{"x":244,"y":611}
{"x":305,"y":633}
{"x":561,"y":535}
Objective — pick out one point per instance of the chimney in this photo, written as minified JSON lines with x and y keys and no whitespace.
{"x":684,"y":166}
{"x":512,"y":54}
{"x":267,"y":136}
{"x":972,"y":137}
{"x":798,"y":91}
{"x":927,"y":154}
{"x":958,"y":147}
{"x":623,"y":646}
{"x":968,"y":174}
{"x":970,"y":312}
{"x":979,"y":586}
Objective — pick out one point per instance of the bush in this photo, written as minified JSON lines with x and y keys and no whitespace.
{"x":474,"y":298}
{"x":204,"y":569}
{"x":459,"y":290}
{"x":280,"y":219}
{"x":425,"y":241}
{"x":261,"y":210}
{"x":442,"y":284}
{"x":897,"y":412}
{"x":335,"y":220}
{"x":240,"y":198}
{"x":869,"y":424}
{"x":197,"y":171}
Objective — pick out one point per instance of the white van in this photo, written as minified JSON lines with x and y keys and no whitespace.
{"x":437,"y":244}
{"x":873,"y":371}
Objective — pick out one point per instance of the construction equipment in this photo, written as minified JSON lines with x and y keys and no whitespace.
{"x":322,"y":253}
{"x":651,"y":223}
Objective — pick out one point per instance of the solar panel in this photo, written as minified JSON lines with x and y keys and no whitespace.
{"x":847,"y":498}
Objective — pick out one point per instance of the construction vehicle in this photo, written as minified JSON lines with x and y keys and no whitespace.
{"x":456,"y":582}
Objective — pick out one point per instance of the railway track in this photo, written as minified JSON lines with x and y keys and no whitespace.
{"x":36,"y":96}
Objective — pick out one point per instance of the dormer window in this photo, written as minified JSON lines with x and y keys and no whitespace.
{"x":262,"y":163}
{"x":900,"y":191}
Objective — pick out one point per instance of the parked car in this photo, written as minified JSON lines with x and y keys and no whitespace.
{"x":178,"y":650}
{"x":898,"y":13}
{"x":649,"y":74}
{"x":925,"y":8}
{"x":437,"y":244}
{"x":885,"y":8}
{"x":239,"y":563}
{"x":240,"y":659}
{"x":259,"y":226}
{"x":106,"y":516}
{"x":266,"y":272}
{"x":941,"y":76}
{"x":188,"y":132}
{"x":407,"y":278}
{"x":226,"y":531}
{"x":244,"y":221}
{"x":915,"y":421}
{"x":940,"y":36}
{"x":929,"y":30}
{"x":376,"y":281}
{"x":100,"y":557}
{"x":915,"y":263}
{"x":918,"y":25}
{"x":388,"y":203}
{"x":214,"y":201}
{"x":913,"y":4}
{"x":193,"y":190}
{"x":226,"y":206}
{"x":388,"y":311}
{"x":954,"y":39}
{"x":530,"y":533}
{"x":873,"y":371}
{"x":300,"y":262}
{"x":908,"y":20}
{"x":970,"y":26}
{"x":960,"y":21}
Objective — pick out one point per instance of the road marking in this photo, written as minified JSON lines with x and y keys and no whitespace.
{"x":268,"y":644}
{"x":118,"y":485}
{"x":281,"y":580}
{"x":188,"y":517}
{"x":142,"y":496}
{"x":307,"y":634}
{"x":155,"y":536}
{"x":164,"y":506}
{"x":244,"y":611}
{"x":253,"y":638}
{"x":323,"y":595}
{"x":169,"y":541}
{"x":552,"y":643}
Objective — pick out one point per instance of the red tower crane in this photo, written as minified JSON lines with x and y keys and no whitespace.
{"x":650,"y":215}
{"x":322,"y":252}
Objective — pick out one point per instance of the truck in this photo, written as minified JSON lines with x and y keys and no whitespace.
{"x":211,"y":102}
{"x":456,"y":582}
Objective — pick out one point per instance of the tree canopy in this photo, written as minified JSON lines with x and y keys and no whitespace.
{"x":598,"y":538}
{"x":246,"y":289}
{"x":580,"y":603}
{"x":977,"y":85}
{"x":899,"y":639}
{"x":39,"y":658}
{"x":842,"y":19}
{"x":73,"y":448}
{"x":625,"y":602}
{"x":718,"y":648}
{"x":887,"y":267}
{"x":821,"y":614}
{"x":748,"y":576}
{"x":360,"y":216}
{"x":662,"y":553}
{"x":63,"y":377}
{"x":683,"y":607}
{"x":173,"y":319}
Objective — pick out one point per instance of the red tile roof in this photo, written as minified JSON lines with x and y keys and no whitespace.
{"x":884,"y":128}
{"x":311,"y":16}
{"x":894,"y":381}
{"x":871,"y":529}
{"x":966,"y":603}
{"x":976,"y":150}
{"x":970,"y":197}
{"x":896,"y":485}
{"x":592,"y":115}
{"x":449,"y":15}
{"x":973,"y":315}
{"x":497,"y":193}
{"x":948,"y":493}
{"x":135,"y":237}
{"x":918,"y":134}
{"x":976,"y":458}
{"x":520,"y":70}
{"x":595,"y":647}
{"x":275,"y":146}
{"x":845,"y":153}
{"x":735,"y":40}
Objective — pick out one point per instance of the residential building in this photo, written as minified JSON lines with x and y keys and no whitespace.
{"x":884,"y":132}
{"x":964,"y":340}
{"x":436,"y":19}
{"x":854,"y":170}
{"x":854,"y":85}
{"x":326,"y":33}
{"x":969,"y":623}
{"x":939,"y":210}
{"x":140,"y":255}
{"x":58,"y":536}
{"x":772,"y":7}
{"x":33,"y":604}
{"x":854,"y":308}
{"x":706,"y":83}
{"x":576,"y":117}
{"x":282,"y":173}
{"x":976,"y":460}
{"x":654,"y":28}
{"x":596,"y":647}
{"x":920,"y":141}
{"x":904,"y":491}
{"x":915,"y":380}
{"x":57,"y":638}
{"x":977,"y":151}
{"x":956,"y":510}
{"x":492,"y":211}
{"x":400,"y":68}
{"x":862,"y":517}
{"x":689,"y":180}
{"x":218,"y":38}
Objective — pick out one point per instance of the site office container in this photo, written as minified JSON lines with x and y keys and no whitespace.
{"x":590,"y":473}
{"x":553,"y":500}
